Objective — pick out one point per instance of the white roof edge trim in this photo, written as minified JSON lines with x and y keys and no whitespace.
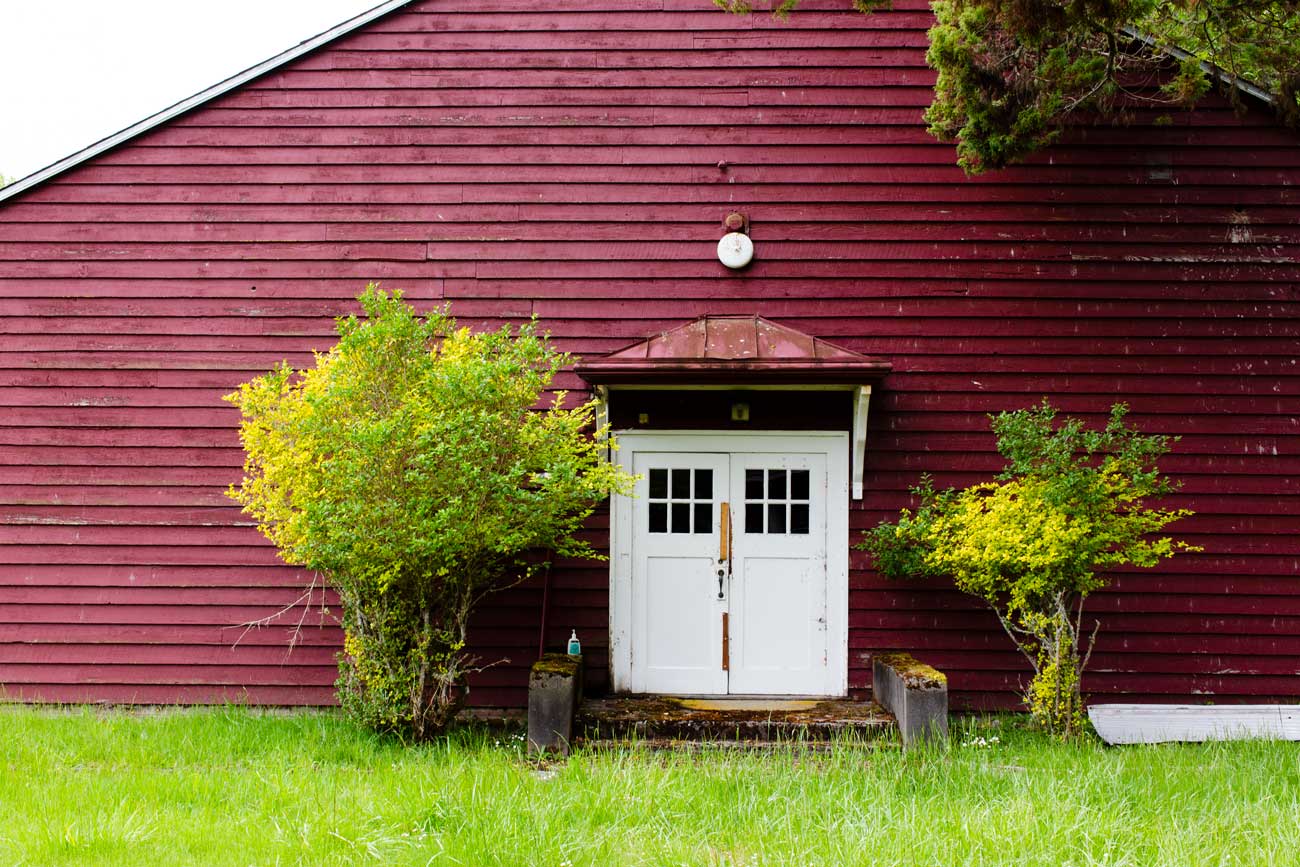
{"x":199,"y":98}
{"x":1210,"y":69}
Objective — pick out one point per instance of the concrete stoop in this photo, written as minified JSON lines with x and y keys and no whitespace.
{"x":663,"y":721}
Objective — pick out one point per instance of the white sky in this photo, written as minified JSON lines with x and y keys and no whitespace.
{"x":75,"y":71}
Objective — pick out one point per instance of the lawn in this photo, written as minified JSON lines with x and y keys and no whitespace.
{"x":239,"y":787}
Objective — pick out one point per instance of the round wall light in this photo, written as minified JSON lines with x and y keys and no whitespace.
{"x":735,"y":250}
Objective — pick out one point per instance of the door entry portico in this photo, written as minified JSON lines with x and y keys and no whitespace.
{"x":729,"y":567}
{"x":730,"y":564}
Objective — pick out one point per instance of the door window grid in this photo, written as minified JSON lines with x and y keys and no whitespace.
{"x":681,"y":500}
{"x":777,"y":501}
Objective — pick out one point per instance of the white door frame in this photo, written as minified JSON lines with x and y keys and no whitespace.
{"x":834,"y":444}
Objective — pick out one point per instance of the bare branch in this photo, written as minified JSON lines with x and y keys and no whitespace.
{"x":295,"y":634}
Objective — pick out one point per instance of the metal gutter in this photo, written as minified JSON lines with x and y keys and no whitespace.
{"x":1216,"y":72}
{"x":199,"y":99}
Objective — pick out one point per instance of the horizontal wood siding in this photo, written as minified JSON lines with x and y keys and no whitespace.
{"x":575,"y":164}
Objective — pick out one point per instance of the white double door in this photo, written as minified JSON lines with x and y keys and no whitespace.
{"x":730,"y":565}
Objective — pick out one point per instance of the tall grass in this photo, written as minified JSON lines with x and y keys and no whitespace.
{"x":241,"y":787}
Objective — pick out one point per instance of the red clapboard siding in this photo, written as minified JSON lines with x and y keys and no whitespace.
{"x":574,"y":165}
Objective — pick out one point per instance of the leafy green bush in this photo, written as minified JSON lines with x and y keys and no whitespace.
{"x":1070,"y":504}
{"x":410,"y":467}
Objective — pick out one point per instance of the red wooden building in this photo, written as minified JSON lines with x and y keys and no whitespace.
{"x":576,"y":163}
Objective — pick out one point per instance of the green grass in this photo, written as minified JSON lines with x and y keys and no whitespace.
{"x":239,"y":787}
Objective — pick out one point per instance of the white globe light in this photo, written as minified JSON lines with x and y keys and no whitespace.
{"x":735,"y":250}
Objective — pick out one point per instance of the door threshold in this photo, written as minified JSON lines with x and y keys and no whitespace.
{"x":743,"y":696}
{"x":762,"y":703}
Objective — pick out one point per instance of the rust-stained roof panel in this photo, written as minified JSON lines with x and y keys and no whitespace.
{"x":733,"y":349}
{"x":730,"y":337}
{"x":688,"y":342}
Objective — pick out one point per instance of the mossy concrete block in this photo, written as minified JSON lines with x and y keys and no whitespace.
{"x":915,"y":693}
{"x":554,"y":691}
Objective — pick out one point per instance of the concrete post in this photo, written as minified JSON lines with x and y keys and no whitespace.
{"x":554,"y":690}
{"x":915,"y":693}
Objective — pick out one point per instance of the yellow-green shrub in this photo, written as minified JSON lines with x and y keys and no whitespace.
{"x":412,"y":467}
{"x":1071,"y":504}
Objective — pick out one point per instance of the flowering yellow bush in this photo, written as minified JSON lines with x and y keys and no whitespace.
{"x":413,"y":467}
{"x":1071,"y":504}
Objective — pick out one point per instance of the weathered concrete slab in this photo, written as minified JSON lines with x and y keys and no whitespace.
{"x":915,"y":693}
{"x":1162,"y":723}
{"x":670,"y":721}
{"x":554,"y":692}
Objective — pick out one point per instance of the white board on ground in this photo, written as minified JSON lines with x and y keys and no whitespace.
{"x":1160,"y":723}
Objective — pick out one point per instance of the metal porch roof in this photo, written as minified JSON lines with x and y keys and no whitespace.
{"x":733,"y":349}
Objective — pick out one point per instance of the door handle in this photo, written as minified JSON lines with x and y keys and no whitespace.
{"x":724,"y":547}
{"x":724,"y":537}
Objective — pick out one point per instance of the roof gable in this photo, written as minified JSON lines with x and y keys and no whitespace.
{"x":201,"y":98}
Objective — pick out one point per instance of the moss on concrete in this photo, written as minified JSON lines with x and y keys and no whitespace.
{"x":915,"y":674}
{"x":558,"y":663}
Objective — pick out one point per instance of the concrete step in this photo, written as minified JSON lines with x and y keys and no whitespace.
{"x":671,"y":722}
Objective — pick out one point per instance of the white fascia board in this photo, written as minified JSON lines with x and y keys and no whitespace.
{"x":200,"y":98}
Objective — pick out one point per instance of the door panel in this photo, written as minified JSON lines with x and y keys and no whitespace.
{"x":682,"y":636}
{"x":778,"y":585}
{"x":677,"y":615}
{"x":772,"y":637}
